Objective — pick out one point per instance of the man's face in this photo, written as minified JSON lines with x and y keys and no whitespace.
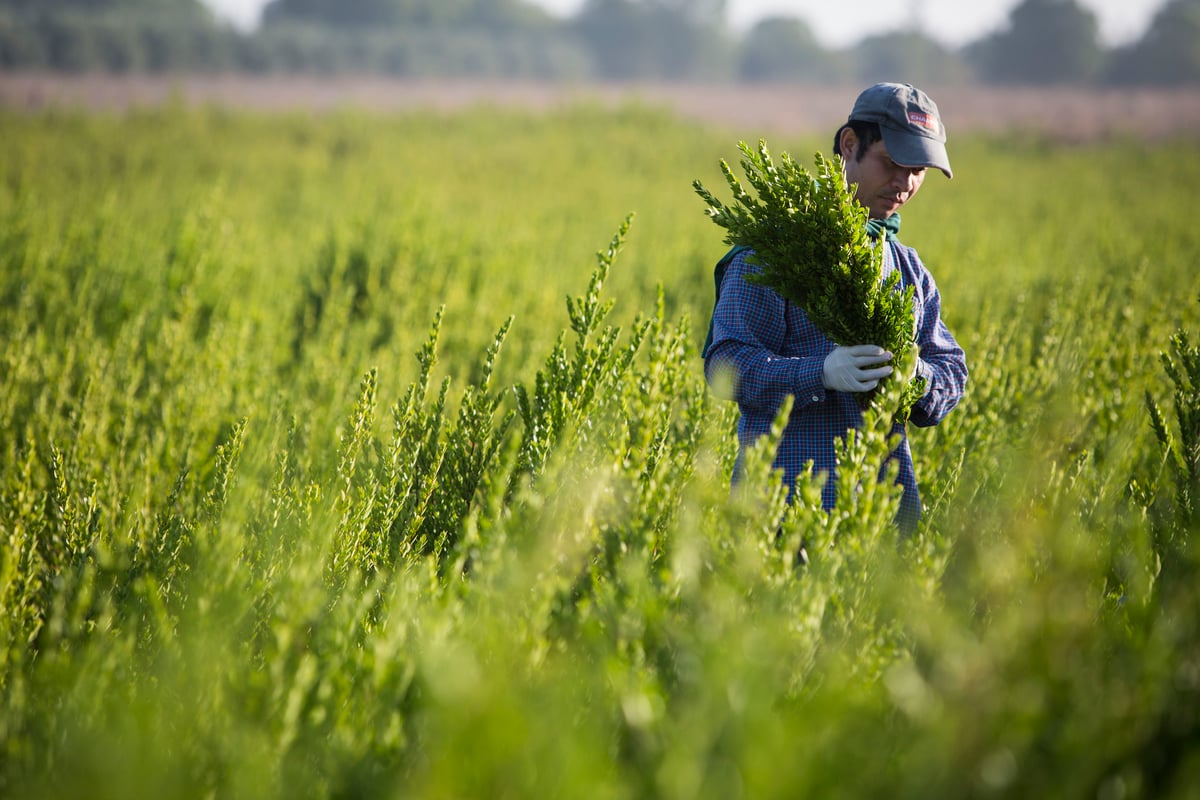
{"x":883,"y":185}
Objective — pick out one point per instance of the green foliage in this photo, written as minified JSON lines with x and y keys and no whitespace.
{"x":273,"y":521}
{"x":1044,"y":43}
{"x":923,"y":61}
{"x":1047,"y":42}
{"x":784,"y":49}
{"x":496,"y":14}
{"x":565,"y":392}
{"x":810,"y":241}
{"x":1180,"y":445}
{"x":1167,"y":55}
{"x":662,"y":39}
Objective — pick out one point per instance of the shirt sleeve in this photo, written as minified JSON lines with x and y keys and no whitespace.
{"x":749,"y":336}
{"x":942,"y":361}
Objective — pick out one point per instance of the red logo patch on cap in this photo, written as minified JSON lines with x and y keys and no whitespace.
{"x":928,"y":121}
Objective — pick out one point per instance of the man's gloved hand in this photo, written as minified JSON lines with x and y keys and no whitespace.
{"x":856,"y":369}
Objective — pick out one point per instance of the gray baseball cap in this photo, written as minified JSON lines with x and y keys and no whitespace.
{"x":912,"y":128}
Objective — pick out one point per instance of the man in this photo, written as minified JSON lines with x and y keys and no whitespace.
{"x":893,"y":135}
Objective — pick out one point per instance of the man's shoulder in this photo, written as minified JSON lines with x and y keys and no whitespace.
{"x":906,"y":255}
{"x":900,"y":246}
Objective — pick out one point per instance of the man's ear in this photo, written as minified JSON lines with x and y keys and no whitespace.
{"x":848,"y":143}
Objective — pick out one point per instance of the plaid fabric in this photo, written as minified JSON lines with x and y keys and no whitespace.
{"x":774,"y":351}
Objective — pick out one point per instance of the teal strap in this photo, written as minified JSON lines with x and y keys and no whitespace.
{"x":718,"y":276}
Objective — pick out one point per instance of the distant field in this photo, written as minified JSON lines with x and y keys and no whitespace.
{"x":1069,"y":114}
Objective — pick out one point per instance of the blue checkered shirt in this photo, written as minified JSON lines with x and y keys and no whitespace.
{"x":775,"y":351}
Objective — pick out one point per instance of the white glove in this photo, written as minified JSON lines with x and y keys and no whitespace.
{"x":855,"y":369}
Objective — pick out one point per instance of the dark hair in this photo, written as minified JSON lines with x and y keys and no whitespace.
{"x":868,"y":133}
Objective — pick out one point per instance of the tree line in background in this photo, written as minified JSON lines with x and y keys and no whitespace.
{"x":1044,"y":42}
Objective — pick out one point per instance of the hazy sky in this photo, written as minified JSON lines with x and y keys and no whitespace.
{"x":835,"y":24}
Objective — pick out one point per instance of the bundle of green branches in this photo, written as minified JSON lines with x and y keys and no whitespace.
{"x":809,"y":237}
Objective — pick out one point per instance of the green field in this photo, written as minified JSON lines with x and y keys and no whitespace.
{"x":341,"y":457}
